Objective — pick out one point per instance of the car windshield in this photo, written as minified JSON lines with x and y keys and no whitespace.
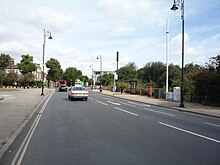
{"x":78,"y":89}
{"x":62,"y":82}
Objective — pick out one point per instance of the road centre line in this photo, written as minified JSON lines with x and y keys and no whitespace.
{"x":126,"y":111}
{"x":189,"y":132}
{"x":128,"y":104}
{"x":159,"y":112}
{"x":143,"y":105}
{"x":101,"y":102}
{"x":113,"y":103}
{"x":108,"y":99}
{"x":216,"y":125}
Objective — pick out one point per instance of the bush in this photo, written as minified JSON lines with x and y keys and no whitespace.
{"x":38,"y":84}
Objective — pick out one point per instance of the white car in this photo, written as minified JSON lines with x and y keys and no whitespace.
{"x":78,"y":92}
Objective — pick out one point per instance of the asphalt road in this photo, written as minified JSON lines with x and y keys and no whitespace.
{"x":108,"y":130}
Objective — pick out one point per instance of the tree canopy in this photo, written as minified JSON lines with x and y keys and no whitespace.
{"x":71,"y":74}
{"x":127,"y":72}
{"x":5,"y":61}
{"x":26,"y":64}
{"x":55,"y":72}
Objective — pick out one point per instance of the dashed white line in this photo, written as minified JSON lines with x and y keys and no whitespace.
{"x":143,"y":105}
{"x":159,"y":112}
{"x":126,"y":111}
{"x":101,"y":102}
{"x":108,"y":99}
{"x":128,"y":104}
{"x":113,"y":103}
{"x":189,"y":132}
{"x":216,"y":125}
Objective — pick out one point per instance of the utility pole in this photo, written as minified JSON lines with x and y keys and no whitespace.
{"x":117,"y":57}
{"x":167,"y":56}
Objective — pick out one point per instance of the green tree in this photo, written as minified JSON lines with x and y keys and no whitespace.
{"x":174,"y":78}
{"x":154,"y":73}
{"x":5,"y":61}
{"x":84,"y":78}
{"x":127,"y":72}
{"x":190,"y":71}
{"x":26,"y":67}
{"x":10,"y":79}
{"x":215,"y":64}
{"x":206,"y":85}
{"x":55,"y":72}
{"x":71,"y":74}
{"x":107,"y":79}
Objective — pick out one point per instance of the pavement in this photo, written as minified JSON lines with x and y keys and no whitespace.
{"x":19,"y":105}
{"x":16,"y":109}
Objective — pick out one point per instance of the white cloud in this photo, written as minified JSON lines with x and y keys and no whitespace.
{"x":138,"y":10}
{"x":13,"y":47}
{"x":65,"y":51}
{"x":122,"y":31}
{"x":46,"y":17}
{"x":3,"y":29}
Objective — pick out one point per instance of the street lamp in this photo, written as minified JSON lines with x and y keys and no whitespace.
{"x":46,"y":34}
{"x":176,"y":5}
{"x":91,"y":66}
{"x":100,"y":58}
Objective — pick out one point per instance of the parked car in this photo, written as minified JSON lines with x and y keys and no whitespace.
{"x":78,"y":92}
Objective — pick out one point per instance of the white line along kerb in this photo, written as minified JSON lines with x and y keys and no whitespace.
{"x":25,"y":143}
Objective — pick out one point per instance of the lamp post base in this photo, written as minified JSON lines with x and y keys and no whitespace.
{"x":42,"y":94}
{"x":181,"y":105}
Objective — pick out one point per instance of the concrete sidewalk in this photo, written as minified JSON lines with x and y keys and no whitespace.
{"x":189,"y":107}
{"x":16,"y":109}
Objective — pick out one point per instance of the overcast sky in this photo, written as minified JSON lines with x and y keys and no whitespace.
{"x":84,"y":29}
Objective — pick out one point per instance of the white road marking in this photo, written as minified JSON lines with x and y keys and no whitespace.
{"x":101,"y":102}
{"x":143,"y":105}
{"x":189,"y":132}
{"x":91,"y":98}
{"x":126,"y":111}
{"x":108,"y":99}
{"x":22,"y":149}
{"x":113,"y":103}
{"x":159,"y":112}
{"x":128,"y":104}
{"x":216,"y":125}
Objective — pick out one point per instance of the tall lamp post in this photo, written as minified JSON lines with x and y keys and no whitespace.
{"x":176,"y":5}
{"x":91,"y":66}
{"x":46,"y":34}
{"x":100,"y":58}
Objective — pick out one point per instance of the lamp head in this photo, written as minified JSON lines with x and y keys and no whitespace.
{"x":174,"y":7}
{"x":50,"y":37}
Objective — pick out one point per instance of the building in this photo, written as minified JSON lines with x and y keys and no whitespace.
{"x":38,"y":73}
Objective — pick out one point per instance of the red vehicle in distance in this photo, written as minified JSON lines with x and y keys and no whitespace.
{"x":62,"y":85}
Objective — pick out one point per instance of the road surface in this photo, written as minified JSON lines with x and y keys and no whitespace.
{"x":108,"y":130}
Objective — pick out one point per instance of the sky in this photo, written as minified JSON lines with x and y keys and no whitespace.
{"x":85,"y":29}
